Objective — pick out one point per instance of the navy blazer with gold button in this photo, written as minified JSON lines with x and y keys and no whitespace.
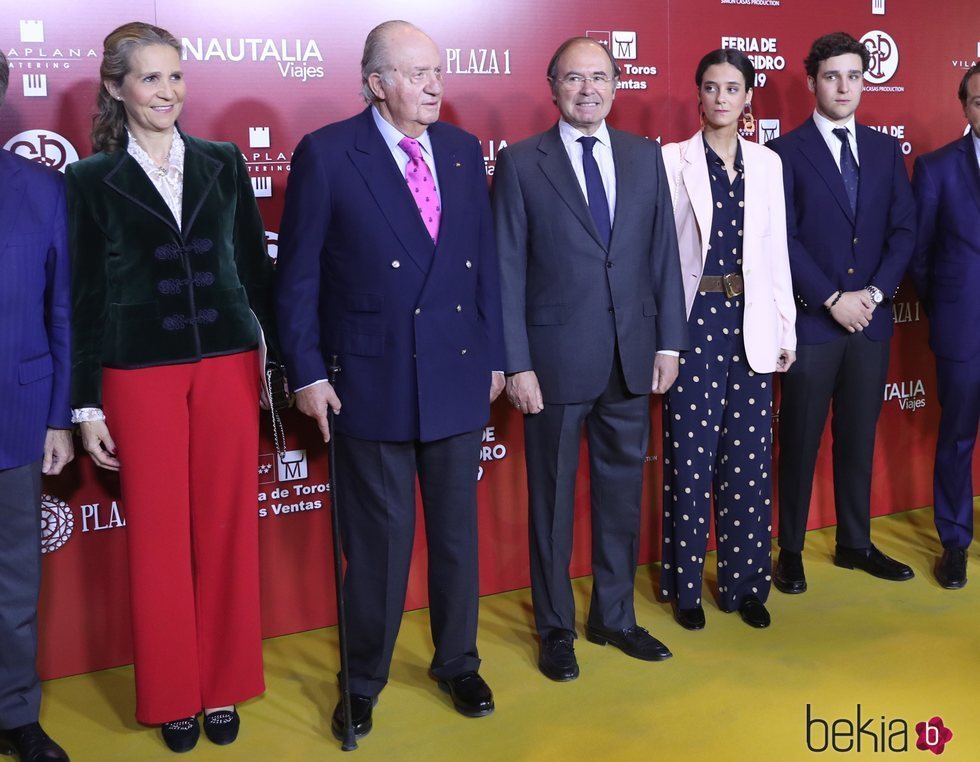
{"x":148,"y":292}
{"x":416,"y":325}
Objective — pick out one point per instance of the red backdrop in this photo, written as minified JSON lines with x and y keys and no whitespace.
{"x":262,"y":75}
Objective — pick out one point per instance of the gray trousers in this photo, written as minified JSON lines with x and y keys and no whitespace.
{"x":20,"y":580}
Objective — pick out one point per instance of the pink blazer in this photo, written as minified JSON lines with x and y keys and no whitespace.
{"x":769,"y":322}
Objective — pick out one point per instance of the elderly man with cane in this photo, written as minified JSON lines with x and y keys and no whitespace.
{"x":387,"y":260}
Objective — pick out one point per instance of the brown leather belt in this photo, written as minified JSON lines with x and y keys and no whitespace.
{"x":730,"y":284}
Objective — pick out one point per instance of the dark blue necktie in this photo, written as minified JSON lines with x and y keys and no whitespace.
{"x":598,"y":204}
{"x":848,"y":168}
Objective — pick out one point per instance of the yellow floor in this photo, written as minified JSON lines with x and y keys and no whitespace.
{"x":905,"y":652}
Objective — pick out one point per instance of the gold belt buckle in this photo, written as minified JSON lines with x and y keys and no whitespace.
{"x":733,"y":284}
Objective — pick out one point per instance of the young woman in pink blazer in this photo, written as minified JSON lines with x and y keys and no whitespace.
{"x":730,"y":214}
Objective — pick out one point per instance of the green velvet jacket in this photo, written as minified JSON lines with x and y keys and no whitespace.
{"x":148,"y":292}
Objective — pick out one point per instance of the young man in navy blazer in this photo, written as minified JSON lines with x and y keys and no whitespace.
{"x":851,"y":229}
{"x":35,"y":434}
{"x":946,"y":272}
{"x":387,"y":260}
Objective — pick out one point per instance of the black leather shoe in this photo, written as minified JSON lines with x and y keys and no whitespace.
{"x":689,"y":619}
{"x":471,"y":695}
{"x":32,"y":744}
{"x":181,"y":735}
{"x":951,"y":569}
{"x":360,"y":716}
{"x":633,"y":641}
{"x":557,"y":658}
{"x":221,"y":728}
{"x":874,"y":562}
{"x":753,"y":612}
{"x":788,"y":576}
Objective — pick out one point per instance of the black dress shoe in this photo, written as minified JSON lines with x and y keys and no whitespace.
{"x":874,"y":562}
{"x":689,"y":619}
{"x":181,"y":735}
{"x":557,"y":658}
{"x":32,"y":744}
{"x":753,"y":612}
{"x":360,"y":716}
{"x":633,"y":641}
{"x":951,"y":569}
{"x":788,"y":576}
{"x":221,"y":727}
{"x":471,"y":695}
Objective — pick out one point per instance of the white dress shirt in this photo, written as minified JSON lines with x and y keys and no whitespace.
{"x":602,"y":151}
{"x":976,"y":146}
{"x":833,"y":142}
{"x":393,"y":137}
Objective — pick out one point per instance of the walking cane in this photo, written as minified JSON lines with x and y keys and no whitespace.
{"x":348,"y":743}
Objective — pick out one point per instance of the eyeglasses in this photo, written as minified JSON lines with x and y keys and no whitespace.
{"x":575,"y":81}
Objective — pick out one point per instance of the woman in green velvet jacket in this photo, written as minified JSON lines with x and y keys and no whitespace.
{"x":171,"y":288}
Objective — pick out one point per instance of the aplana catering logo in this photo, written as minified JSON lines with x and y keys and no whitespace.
{"x":873,"y":734}
{"x":883,"y":63}
{"x":43,"y":146}
{"x":294,"y":58}
{"x":625,"y":49}
{"x":265,"y":161}
{"x":36,"y":58}
{"x":57,"y":523}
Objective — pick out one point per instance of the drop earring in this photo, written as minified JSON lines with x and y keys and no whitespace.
{"x":747,"y":130}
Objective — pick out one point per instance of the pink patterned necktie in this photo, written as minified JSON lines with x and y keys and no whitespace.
{"x":423,"y":187}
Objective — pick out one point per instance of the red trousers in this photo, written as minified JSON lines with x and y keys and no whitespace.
{"x":187,"y":441}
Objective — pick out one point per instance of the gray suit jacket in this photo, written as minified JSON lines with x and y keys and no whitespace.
{"x":567,"y":299}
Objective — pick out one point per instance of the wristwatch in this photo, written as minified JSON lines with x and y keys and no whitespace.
{"x":876,"y":296}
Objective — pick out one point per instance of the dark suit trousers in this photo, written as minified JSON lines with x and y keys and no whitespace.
{"x":959,"y":396}
{"x":20,"y":579}
{"x":376,"y":490}
{"x":617,"y":426}
{"x":850,"y":372}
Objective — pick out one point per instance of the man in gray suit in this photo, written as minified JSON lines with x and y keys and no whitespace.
{"x":591,"y":289}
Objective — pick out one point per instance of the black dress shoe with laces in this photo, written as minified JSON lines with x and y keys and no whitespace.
{"x":874,"y":562}
{"x":471,"y":695}
{"x":788,"y":575}
{"x":32,"y":744}
{"x":633,"y":641}
{"x":181,"y":735}
{"x":753,"y":612}
{"x":951,"y":569}
{"x":557,"y":658}
{"x":221,"y":727}
{"x":360,"y":715}
{"x":689,"y":619}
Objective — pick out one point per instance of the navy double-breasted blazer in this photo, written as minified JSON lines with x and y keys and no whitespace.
{"x":416,"y":326}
